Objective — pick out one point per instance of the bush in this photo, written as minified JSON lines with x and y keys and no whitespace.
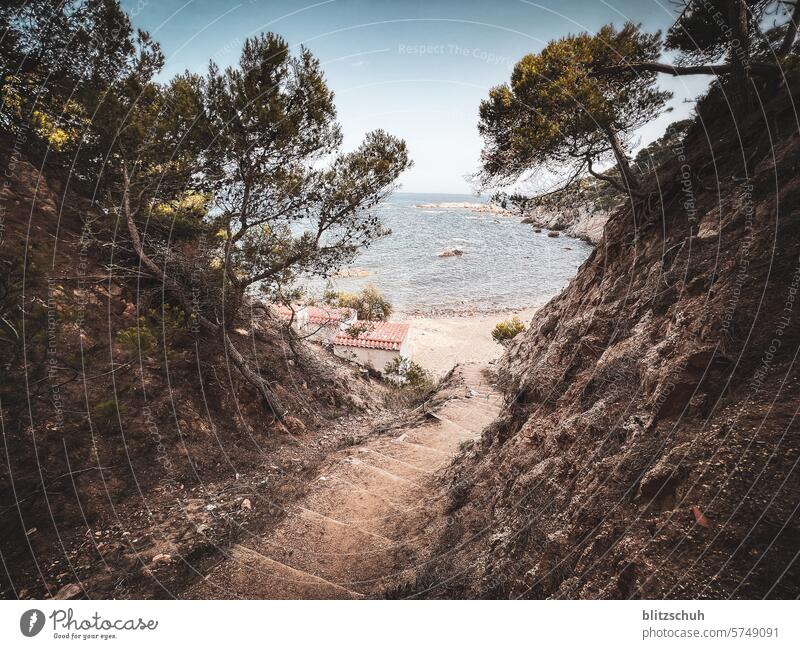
{"x":504,"y":332}
{"x":369,"y":303}
{"x":169,"y":325}
{"x":410,"y":383}
{"x":404,"y":371}
{"x":134,"y":340}
{"x":355,"y":330}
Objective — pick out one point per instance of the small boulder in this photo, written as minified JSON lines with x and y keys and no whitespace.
{"x":294,"y":425}
{"x":70,"y":591}
{"x":161,"y":559}
{"x":454,"y":252}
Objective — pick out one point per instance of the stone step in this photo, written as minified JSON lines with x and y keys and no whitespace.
{"x":422,"y":457}
{"x":252,"y":575}
{"x":355,"y":506}
{"x":375,"y":457}
{"x":337,"y":552}
{"x":442,"y":436}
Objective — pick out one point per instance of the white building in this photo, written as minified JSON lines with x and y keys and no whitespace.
{"x":380,"y":344}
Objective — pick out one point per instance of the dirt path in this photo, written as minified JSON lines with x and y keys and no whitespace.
{"x":347,"y":538}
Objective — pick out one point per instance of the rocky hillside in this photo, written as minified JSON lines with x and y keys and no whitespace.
{"x":649,"y":446}
{"x":131,"y":449}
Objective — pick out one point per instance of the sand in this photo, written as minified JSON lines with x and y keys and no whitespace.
{"x":442,"y":341}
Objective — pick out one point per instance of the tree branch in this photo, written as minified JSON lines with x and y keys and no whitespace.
{"x":755,"y":67}
{"x":611,"y":180}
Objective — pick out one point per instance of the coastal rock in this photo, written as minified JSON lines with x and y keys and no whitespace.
{"x":578,"y":222}
{"x":455,"y":252}
{"x":481,"y":208}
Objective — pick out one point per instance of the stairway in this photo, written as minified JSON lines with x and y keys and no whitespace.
{"x":347,"y":538}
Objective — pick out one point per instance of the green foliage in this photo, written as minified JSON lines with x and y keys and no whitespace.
{"x":137,"y":341}
{"x":164,"y":327}
{"x":595,"y":194}
{"x":106,"y":414}
{"x":409,"y":383}
{"x":239,"y":182}
{"x":182,"y":217}
{"x":504,"y":332}
{"x":75,"y":50}
{"x":282,"y":212}
{"x":562,"y":112}
{"x":404,"y":371}
{"x":369,"y":303}
{"x":704,"y":29}
{"x":360,"y":327}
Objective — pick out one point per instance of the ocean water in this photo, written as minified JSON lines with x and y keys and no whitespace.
{"x":505,"y":265}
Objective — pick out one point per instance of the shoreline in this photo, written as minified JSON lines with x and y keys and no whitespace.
{"x":465,"y":312}
{"x":440,"y":341}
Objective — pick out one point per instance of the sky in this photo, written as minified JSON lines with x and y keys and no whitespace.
{"x":417,"y":69}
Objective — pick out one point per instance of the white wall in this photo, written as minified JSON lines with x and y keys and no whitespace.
{"x":375,"y":358}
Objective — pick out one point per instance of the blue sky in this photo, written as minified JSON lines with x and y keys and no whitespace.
{"x":416,"y":69}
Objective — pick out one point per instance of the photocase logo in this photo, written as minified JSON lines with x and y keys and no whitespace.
{"x":31,"y":622}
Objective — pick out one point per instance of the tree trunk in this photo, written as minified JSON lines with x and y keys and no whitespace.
{"x":628,"y":177}
{"x":740,"y":51}
{"x":791,"y":32}
{"x":241,"y":364}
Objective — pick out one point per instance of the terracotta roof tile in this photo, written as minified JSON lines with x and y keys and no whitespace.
{"x":382,"y":335}
{"x":282,"y":311}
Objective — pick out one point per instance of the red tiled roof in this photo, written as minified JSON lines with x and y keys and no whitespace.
{"x":328,"y":314}
{"x":382,"y":335}
{"x":283,"y":312}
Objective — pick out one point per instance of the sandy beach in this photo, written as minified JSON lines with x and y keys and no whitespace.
{"x":442,"y":341}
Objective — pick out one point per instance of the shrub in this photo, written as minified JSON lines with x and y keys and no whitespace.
{"x":369,"y":303}
{"x":409,"y":382}
{"x":404,"y":371}
{"x":505,"y":331}
{"x":138,"y":339}
{"x":106,"y":415}
{"x":168,"y":325}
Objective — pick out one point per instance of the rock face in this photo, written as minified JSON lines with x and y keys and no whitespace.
{"x":648,"y":447}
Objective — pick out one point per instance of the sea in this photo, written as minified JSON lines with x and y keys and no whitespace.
{"x":505,"y":265}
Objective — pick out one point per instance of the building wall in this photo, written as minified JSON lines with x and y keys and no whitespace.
{"x":376,"y":358}
{"x":407,"y":348}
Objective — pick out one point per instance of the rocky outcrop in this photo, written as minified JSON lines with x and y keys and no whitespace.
{"x":579,"y":222}
{"x":648,"y":447}
{"x":480,"y":208}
